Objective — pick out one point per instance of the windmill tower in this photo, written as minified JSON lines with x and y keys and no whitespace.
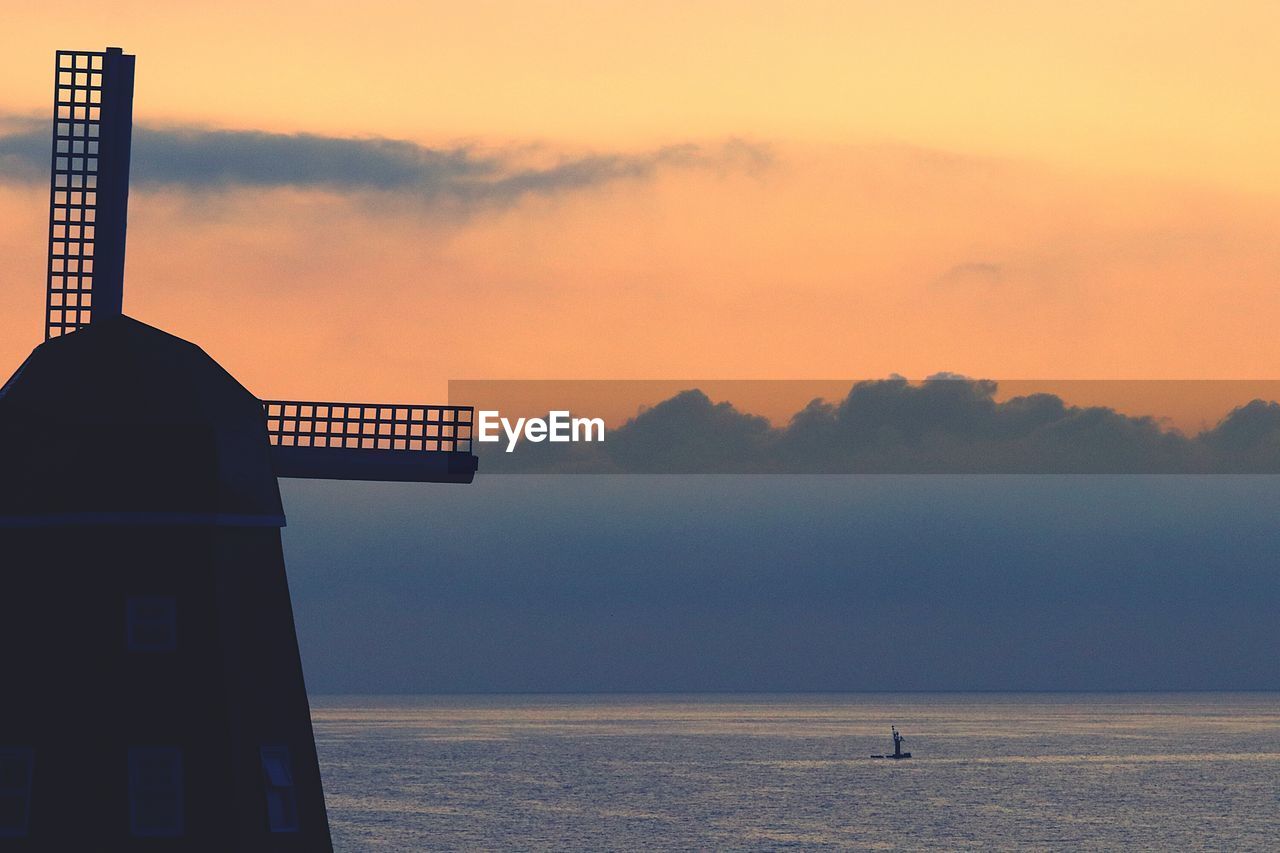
{"x":153,"y":692}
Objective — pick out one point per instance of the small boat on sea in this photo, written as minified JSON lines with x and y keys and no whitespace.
{"x":898,"y":754}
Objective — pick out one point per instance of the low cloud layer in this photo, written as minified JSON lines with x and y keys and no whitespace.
{"x":945,"y":425}
{"x":786,"y":583}
{"x":199,"y":159}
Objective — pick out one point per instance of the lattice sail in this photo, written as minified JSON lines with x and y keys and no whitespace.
{"x":88,"y":187}
{"x":369,"y":426}
{"x":371,"y":441}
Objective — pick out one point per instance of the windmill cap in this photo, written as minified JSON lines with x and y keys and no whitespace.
{"x":120,"y":417}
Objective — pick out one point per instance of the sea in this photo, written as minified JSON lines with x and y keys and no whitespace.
{"x":1175,"y":771}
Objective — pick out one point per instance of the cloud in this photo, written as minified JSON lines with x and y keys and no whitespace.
{"x":944,"y":425}
{"x":786,"y":583}
{"x":202,"y":160}
{"x":1248,"y":439}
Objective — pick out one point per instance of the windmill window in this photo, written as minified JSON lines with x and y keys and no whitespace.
{"x":152,"y":623}
{"x":282,"y":795}
{"x":15,"y":791}
{"x":155,"y":791}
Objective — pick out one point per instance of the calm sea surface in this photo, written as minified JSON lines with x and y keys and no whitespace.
{"x":990,"y":772}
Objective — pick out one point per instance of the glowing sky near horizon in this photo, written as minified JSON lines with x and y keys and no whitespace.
{"x":990,"y":188}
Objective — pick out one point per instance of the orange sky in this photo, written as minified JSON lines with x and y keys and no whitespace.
{"x":995,"y":189}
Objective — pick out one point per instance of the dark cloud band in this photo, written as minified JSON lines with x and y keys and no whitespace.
{"x":203,"y":160}
{"x":945,"y":425}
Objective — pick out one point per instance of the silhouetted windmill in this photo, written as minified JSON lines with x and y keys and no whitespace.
{"x":152,"y":684}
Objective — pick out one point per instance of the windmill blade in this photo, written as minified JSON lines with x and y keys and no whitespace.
{"x":371,"y":441}
{"x":88,"y":187}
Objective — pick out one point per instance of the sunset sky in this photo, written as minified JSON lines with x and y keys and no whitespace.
{"x":379,"y":201}
{"x":678,"y":189}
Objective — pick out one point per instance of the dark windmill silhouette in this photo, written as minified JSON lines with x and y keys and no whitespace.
{"x":152,"y":683}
